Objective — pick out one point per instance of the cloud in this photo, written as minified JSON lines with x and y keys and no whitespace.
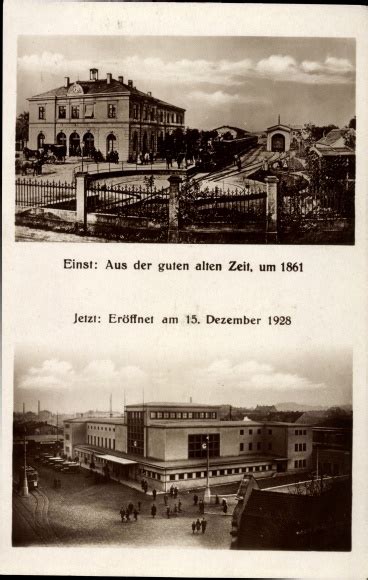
{"x":218,"y":98}
{"x":253,"y":376}
{"x":98,"y":374}
{"x":275,"y":67}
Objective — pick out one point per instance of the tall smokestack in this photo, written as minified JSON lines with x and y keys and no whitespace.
{"x":66,"y":82}
{"x":108,"y":78}
{"x":24,"y":409}
{"x":111,"y":405}
{"x":38,"y":409}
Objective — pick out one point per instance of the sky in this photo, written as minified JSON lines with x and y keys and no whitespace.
{"x":236,"y":374}
{"x":241,"y":81}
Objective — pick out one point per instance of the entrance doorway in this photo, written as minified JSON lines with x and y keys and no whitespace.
{"x":74,"y":144}
{"x":278,"y":142}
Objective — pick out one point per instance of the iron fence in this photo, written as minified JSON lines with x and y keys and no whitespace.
{"x":33,"y":193}
{"x":224,"y":206}
{"x":318,"y":203}
{"x":131,"y":201}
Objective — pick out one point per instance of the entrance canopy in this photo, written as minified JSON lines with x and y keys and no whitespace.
{"x":115,"y":459}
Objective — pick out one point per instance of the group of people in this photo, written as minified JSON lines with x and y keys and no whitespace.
{"x":199,"y":525}
{"x":144,"y":485}
{"x":175,"y":511}
{"x":130,"y":511}
{"x":146,"y":158}
{"x":237,"y":161}
{"x":199,"y":502}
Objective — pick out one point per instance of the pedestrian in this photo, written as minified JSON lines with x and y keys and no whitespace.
{"x":165,"y":499}
{"x":193,"y":526}
{"x":224,"y":508}
{"x":179,"y":505}
{"x":130,"y":508}
{"x":139,"y":506}
{"x":239,"y":163}
{"x":176,"y":491}
{"x":175,"y":509}
{"x":195,"y":499}
{"x":154,"y":493}
{"x":172,"y":490}
{"x":135,"y":513}
{"x":203,"y":525}
{"x":122,"y":514}
{"x":201,"y":506}
{"x":127,"y":515}
{"x":198,"y":525}
{"x":151,"y":157}
{"x":142,"y":484}
{"x":168,"y":512}
{"x":141,"y":158}
{"x":153,"y":510}
{"x":145,"y":487}
{"x":235,"y":160}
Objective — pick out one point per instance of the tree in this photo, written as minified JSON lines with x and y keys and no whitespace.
{"x":22,"y":127}
{"x":352,"y":123}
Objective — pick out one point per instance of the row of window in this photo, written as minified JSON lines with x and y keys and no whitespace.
{"x":100,"y":428}
{"x":300,"y":431}
{"x":250,"y":431}
{"x":101,"y":441}
{"x":298,"y":463}
{"x":220,"y":472}
{"x":259,"y":446}
{"x":183,"y":415}
{"x":300,"y":447}
{"x":75,"y":112}
{"x":149,"y":114}
{"x":111,"y":113}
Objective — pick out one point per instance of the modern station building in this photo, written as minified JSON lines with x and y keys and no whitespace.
{"x":168,"y":443}
{"x":105,"y":114}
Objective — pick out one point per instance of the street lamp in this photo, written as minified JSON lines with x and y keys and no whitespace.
{"x":25,"y":492}
{"x":207,"y":493}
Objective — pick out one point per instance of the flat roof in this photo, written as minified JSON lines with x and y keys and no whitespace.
{"x":202,"y":424}
{"x":168,"y":404}
{"x":115,"y":459}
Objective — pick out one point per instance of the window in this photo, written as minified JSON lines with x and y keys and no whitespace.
{"x":62,"y":112}
{"x":181,"y":475}
{"x":172,"y":477}
{"x":296,"y":446}
{"x":304,"y":431}
{"x":296,"y":463}
{"x":241,"y":431}
{"x":189,"y":475}
{"x":75,"y":112}
{"x":270,"y":431}
{"x":67,"y":425}
{"x":214,"y":415}
{"x":89,"y":112}
{"x":201,"y":415}
{"x":259,"y":431}
{"x":250,"y":431}
{"x":166,"y":415}
{"x":159,"y":415}
{"x":250,"y":446}
{"x":42,"y":112}
{"x":304,"y":447}
{"x":153,"y":414}
{"x":67,"y":436}
{"x":198,"y":474}
{"x":296,"y":431}
{"x":259,"y":445}
{"x":179,"y":415}
{"x":172,"y":415}
{"x":161,"y":117}
{"x":197,"y":445}
{"x":185,"y":415}
{"x":111,"y":111}
{"x":190,"y":415}
{"x":241,"y":446}
{"x":113,"y":443}
{"x":208,"y":416}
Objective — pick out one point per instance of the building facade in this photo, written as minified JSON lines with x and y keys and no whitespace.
{"x":169,"y":443}
{"x":278,"y":138}
{"x":101,"y":114}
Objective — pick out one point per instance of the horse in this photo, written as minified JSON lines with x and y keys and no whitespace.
{"x":35,"y":166}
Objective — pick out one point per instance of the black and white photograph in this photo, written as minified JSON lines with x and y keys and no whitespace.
{"x":174,"y":139}
{"x":233,"y":450}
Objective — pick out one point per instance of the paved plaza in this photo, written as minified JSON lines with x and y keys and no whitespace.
{"x":82,"y":512}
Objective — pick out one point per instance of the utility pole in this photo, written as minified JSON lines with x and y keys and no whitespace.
{"x":207,"y":493}
{"x":57,"y":431}
{"x":25,"y":492}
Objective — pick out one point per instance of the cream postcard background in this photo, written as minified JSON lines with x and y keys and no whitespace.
{"x":327,"y":302}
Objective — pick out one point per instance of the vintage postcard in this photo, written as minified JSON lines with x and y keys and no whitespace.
{"x":184,"y":385}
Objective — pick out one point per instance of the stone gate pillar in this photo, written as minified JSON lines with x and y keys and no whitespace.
{"x":175,"y":182}
{"x":81,"y":199}
{"x":271,"y":210}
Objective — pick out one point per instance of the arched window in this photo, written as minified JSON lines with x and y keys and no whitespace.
{"x":110,"y":143}
{"x":278,"y":142}
{"x":61,"y":138}
{"x":40,"y":140}
{"x":152,"y":142}
{"x":88,"y":144}
{"x":144,"y":143}
{"x":74,"y":144}
{"x":135,"y":141}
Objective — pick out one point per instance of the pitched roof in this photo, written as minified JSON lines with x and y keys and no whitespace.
{"x":334,"y":135}
{"x":102,"y":87}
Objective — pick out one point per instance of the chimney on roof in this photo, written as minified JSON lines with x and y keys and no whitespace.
{"x":130,"y":84}
{"x":109,"y":77}
{"x":66,"y":82}
{"x":93,"y":74}
{"x":121,"y":80}
{"x":149,"y":94}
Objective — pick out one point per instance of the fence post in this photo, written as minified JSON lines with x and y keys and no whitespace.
{"x":175,"y":182}
{"x":81,"y":195}
{"x":271,"y":209}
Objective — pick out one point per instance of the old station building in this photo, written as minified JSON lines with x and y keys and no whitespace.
{"x":102,"y":114}
{"x":167,"y":443}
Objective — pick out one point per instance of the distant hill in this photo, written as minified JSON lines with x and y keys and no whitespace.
{"x":299,"y":407}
